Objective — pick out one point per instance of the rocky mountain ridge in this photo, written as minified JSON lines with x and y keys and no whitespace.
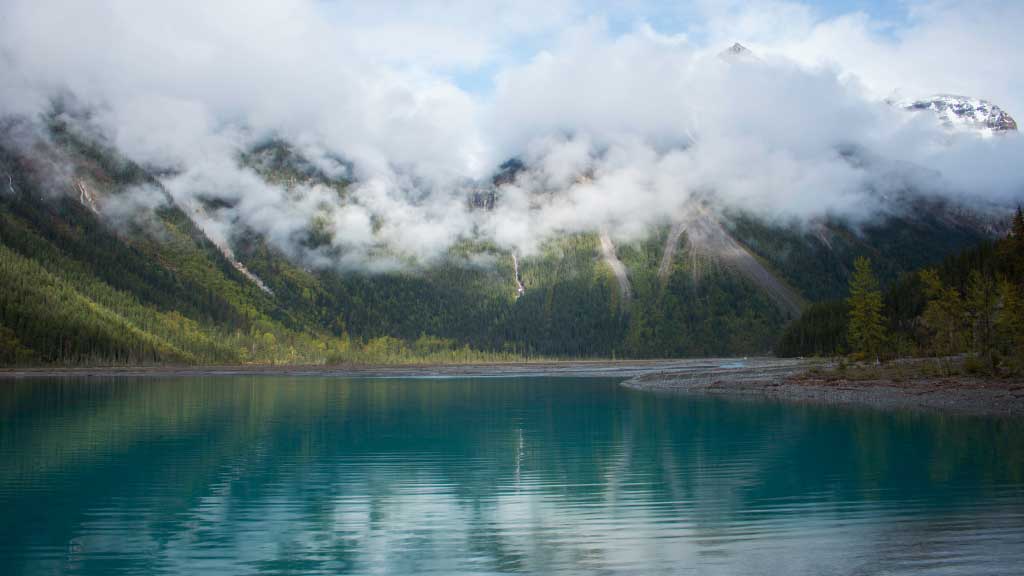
{"x":962,"y":113}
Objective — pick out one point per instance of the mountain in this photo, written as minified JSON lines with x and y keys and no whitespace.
{"x":101,"y":265}
{"x":957,"y":113}
{"x":738,"y":53}
{"x":964,"y":113}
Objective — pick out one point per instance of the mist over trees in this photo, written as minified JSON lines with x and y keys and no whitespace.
{"x":970,"y":304}
{"x":85,"y":283}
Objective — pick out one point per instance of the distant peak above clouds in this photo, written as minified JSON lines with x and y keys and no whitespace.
{"x":738,"y":53}
{"x":963,"y":113}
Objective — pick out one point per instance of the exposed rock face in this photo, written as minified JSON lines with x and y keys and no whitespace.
{"x":242,"y":269}
{"x":85,"y":195}
{"x":708,"y":238}
{"x":618,"y":268}
{"x":965,"y":113}
{"x":482,"y":198}
{"x":669,"y":252}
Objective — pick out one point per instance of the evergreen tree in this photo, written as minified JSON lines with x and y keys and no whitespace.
{"x":1014,"y":250}
{"x":1009,"y":325}
{"x":1018,"y":226}
{"x":944,"y":316}
{"x":982,"y":299}
{"x":867,"y":324}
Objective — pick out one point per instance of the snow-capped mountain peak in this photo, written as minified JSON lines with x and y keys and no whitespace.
{"x":963,"y":113}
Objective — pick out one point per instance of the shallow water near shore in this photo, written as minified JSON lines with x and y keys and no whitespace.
{"x":325,"y":475}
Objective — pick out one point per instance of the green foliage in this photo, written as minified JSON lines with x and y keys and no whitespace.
{"x":821,"y":331}
{"x":1009,"y":326}
{"x":1012,"y":250}
{"x":12,"y":352}
{"x":52,"y":318}
{"x":817,"y":258}
{"x":982,"y":301}
{"x":866,"y":331}
{"x":944,"y":317}
{"x":971,"y":303}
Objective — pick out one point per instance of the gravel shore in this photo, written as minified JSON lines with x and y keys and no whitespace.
{"x":570,"y":368}
{"x":795,"y":382}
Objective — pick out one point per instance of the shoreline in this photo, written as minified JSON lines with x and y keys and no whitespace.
{"x":581,"y":368}
{"x":791,"y":380}
{"x":965,"y":395}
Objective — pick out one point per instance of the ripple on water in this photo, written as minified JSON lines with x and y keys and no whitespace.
{"x":242,"y":475}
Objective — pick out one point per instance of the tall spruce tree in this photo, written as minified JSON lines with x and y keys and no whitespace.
{"x":867,"y":324}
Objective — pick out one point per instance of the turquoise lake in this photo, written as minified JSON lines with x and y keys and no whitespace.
{"x":308,"y":475}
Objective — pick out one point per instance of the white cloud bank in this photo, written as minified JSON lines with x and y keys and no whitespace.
{"x":652,"y":119}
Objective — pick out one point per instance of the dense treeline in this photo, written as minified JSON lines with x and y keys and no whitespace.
{"x":820,"y":331}
{"x":971,"y":303}
{"x":818,"y":256}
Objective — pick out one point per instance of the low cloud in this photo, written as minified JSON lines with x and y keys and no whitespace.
{"x":619,"y":130}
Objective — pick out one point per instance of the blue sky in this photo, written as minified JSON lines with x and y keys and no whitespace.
{"x":674,"y":16}
{"x":669,"y":17}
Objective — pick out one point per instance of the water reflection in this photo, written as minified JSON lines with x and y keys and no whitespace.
{"x":307,"y":475}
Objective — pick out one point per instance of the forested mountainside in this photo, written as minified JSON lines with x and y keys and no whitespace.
{"x":971,"y":302}
{"x":100,"y":265}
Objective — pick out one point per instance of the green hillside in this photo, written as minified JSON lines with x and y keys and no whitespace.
{"x":81,"y":286}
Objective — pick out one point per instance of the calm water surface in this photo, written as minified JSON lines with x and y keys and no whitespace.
{"x":270,"y":475}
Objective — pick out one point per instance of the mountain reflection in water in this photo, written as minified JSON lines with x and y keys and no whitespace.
{"x":306,"y":475}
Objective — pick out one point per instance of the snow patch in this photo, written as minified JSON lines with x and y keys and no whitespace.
{"x":964,"y":114}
